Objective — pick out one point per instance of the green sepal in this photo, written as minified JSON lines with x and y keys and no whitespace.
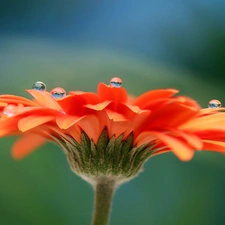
{"x":115,"y":157}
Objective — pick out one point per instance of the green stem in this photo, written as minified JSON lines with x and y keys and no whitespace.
{"x":104,"y":191}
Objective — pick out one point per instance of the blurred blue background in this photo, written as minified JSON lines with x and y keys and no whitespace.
{"x":149,"y":44}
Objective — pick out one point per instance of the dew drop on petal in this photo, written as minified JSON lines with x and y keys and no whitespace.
{"x":116,"y":82}
{"x":9,"y":110}
{"x":58,"y":93}
{"x":39,"y":86}
{"x":214,"y":104}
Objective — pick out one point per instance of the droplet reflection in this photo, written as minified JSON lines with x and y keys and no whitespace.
{"x":58,"y":93}
{"x":214,"y":104}
{"x":9,"y":110}
{"x":39,"y":86}
{"x":116,"y":82}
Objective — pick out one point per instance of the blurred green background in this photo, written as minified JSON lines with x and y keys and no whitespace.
{"x":77,"y":44}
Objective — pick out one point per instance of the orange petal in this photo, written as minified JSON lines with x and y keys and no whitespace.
{"x":147,"y":97}
{"x":117,"y":128}
{"x":3,"y":104}
{"x":127,"y":111}
{"x":8,"y":126}
{"x":102,"y":122}
{"x":179,"y":148}
{"x":188,"y":102}
{"x":216,"y":146}
{"x":212,"y":134}
{"x":210,"y":111}
{"x":50,"y":129}
{"x":45,"y":99}
{"x":138,"y":123}
{"x":88,"y":97}
{"x":99,"y":106}
{"x":73,"y":104}
{"x":134,"y":108}
{"x":37,"y":110}
{"x":144,"y":137}
{"x":103,"y":119}
{"x":172,"y":115}
{"x":156,"y":104}
{"x":116,"y":116}
{"x":30,"y":122}
{"x":13,"y":99}
{"x":191,"y":139}
{"x":27,"y":144}
{"x":212,"y":121}
{"x":91,"y":126}
{"x":66,"y":121}
{"x":74,"y":132}
{"x":108,"y":93}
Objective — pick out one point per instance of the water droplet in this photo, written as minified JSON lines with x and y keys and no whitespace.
{"x":39,"y":86}
{"x":116,"y":82}
{"x":58,"y":92}
{"x":214,"y":104}
{"x":9,"y":110}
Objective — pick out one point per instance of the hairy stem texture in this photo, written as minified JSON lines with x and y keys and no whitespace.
{"x":104,"y":191}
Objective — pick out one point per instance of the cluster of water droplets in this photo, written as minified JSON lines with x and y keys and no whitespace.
{"x":59,"y":92}
{"x":214,"y":103}
{"x":56,"y":93}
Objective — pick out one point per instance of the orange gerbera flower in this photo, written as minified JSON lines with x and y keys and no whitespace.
{"x":157,"y":119}
{"x":107,"y":136}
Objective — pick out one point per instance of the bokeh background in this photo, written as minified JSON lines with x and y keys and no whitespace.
{"x":149,"y":44}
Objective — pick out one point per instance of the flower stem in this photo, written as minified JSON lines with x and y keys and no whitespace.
{"x":104,"y":191}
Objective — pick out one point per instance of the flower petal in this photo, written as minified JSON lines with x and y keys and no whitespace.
{"x":125,"y":110}
{"x":138,"y":123}
{"x":73,"y":104}
{"x":171,"y":115}
{"x":116,"y":116}
{"x":117,"y":128}
{"x":8,"y":126}
{"x":91,"y":126}
{"x":208,"y":111}
{"x":212,"y":134}
{"x":13,"y":99}
{"x":75,"y":132}
{"x":144,"y":138}
{"x":88,"y":97}
{"x":191,"y":139}
{"x":3,"y":104}
{"x":37,"y":110}
{"x":66,"y":121}
{"x":108,"y":93}
{"x":216,"y":146}
{"x":99,"y":106}
{"x":30,"y":122}
{"x":149,"y":96}
{"x":27,"y":144}
{"x":179,"y":148}
{"x":45,"y":99}
{"x":212,"y":121}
